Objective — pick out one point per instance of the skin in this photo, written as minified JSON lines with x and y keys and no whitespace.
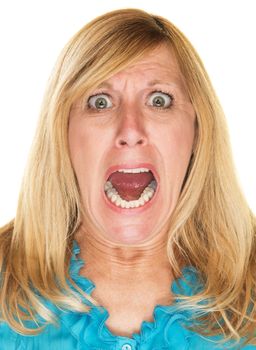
{"x":122,"y":250}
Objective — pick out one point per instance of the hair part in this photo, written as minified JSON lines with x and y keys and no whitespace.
{"x":212,"y":226}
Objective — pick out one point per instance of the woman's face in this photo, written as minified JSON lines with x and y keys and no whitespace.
{"x":140,"y":117}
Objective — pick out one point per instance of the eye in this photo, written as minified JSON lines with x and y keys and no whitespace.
{"x":99,"y":101}
{"x":161,"y":99}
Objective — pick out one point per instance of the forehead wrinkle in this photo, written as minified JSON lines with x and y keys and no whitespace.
{"x":161,"y":72}
{"x":142,"y":69}
{"x":177,"y":84}
{"x":160,"y":64}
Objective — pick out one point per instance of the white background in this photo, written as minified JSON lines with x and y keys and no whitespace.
{"x":32,"y":33}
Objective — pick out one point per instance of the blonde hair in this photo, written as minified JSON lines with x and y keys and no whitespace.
{"x":212,"y":226}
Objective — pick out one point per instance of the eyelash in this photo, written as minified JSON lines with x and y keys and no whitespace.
{"x":152,"y":92}
{"x":98,"y":93}
{"x":165,"y":93}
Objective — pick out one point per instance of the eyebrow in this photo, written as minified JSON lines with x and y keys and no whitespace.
{"x":156,"y":82}
{"x":176,"y":84}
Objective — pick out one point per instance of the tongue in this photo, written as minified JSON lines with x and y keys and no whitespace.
{"x":129,"y":185}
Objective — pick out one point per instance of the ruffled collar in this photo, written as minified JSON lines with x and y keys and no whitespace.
{"x":81,"y":325}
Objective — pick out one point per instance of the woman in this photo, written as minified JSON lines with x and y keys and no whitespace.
{"x":130,"y":172}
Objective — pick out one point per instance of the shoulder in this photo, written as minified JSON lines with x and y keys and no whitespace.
{"x":56,"y":337}
{"x":8,"y":338}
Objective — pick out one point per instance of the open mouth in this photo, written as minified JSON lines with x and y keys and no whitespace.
{"x":130,"y":188}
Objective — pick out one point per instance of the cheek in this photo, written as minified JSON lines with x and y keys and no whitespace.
{"x":183,"y":140}
{"x":178,"y":137}
{"x":76,"y":143}
{"x":83,"y":149}
{"x":87,"y":145}
{"x":175,"y":144}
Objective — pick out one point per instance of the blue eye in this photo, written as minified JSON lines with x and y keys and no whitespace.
{"x":99,"y":101}
{"x":161,"y":99}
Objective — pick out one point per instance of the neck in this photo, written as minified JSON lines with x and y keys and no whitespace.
{"x":129,"y":280}
{"x":117,"y":263}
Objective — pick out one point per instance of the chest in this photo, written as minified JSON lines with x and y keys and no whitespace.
{"x":126,"y":321}
{"x":128,"y":311}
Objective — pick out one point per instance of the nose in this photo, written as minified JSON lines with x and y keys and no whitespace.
{"x":131,"y":129}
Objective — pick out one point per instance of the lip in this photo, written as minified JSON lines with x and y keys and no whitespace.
{"x":129,"y":166}
{"x":150,"y":166}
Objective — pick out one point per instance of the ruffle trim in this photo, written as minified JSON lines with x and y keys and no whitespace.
{"x":83,"y":325}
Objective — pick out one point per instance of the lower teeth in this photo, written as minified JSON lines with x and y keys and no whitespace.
{"x":115,"y":198}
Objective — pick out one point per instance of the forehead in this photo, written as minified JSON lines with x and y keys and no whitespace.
{"x":155,"y":67}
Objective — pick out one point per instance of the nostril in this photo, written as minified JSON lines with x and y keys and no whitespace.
{"x":122,"y":142}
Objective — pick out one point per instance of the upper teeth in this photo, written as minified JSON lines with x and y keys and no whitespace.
{"x":137,"y":170}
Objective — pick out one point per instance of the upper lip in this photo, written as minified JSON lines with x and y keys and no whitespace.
{"x":131,"y":165}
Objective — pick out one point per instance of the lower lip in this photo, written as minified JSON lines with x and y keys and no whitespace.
{"x":131,"y":211}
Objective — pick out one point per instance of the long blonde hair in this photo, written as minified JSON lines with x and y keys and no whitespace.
{"x":212,"y":226}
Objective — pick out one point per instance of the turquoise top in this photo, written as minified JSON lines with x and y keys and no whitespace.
{"x":88,"y":331}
